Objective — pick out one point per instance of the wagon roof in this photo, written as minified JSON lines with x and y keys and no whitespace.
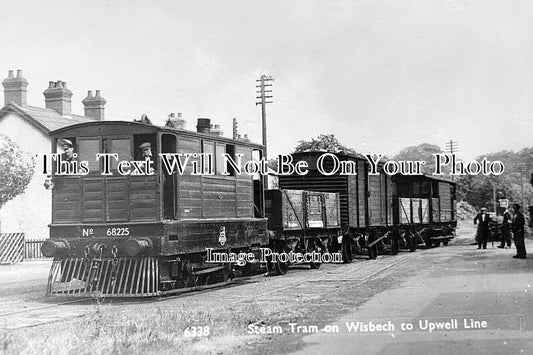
{"x":428,"y":177}
{"x":339,"y":154}
{"x":147,"y":127}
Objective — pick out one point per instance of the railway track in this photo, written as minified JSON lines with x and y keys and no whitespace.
{"x":256,"y":288}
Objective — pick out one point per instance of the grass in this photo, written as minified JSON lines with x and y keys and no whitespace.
{"x":107,"y":330}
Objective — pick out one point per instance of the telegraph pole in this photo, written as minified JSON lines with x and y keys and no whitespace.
{"x":451,"y":148}
{"x":264,"y":96}
{"x":235,"y":130}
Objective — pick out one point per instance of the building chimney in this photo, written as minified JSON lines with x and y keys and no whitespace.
{"x":216,"y":130}
{"x":15,"y":89}
{"x":174,"y":121}
{"x":94,"y":106}
{"x":204,"y":125}
{"x":58,"y":97}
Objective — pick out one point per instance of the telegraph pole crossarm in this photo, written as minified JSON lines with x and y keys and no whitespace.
{"x":263,"y":99}
{"x":451,"y":148}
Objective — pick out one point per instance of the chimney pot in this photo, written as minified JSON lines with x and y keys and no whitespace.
{"x":15,"y":89}
{"x":94,"y":105}
{"x":204,"y":125}
{"x":172,"y":115}
{"x":179,"y":114}
{"x":58,"y":97}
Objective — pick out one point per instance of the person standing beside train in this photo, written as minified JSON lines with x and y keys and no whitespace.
{"x":518,"y":232}
{"x":506,"y":230}
{"x":482,"y":220}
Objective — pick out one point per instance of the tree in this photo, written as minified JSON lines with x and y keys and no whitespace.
{"x":16,"y":170}
{"x":324,"y":142}
{"x":478,"y":189}
{"x":423,"y":152}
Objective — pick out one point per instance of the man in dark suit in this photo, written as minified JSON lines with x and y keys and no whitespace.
{"x":518,"y":232}
{"x":506,"y":230}
{"x":482,"y":220}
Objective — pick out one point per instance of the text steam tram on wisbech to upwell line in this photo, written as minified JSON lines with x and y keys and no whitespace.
{"x":131,"y":227}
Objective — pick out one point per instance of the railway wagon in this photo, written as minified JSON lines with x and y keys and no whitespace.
{"x":365,"y":200}
{"x":424,"y":209}
{"x":304,"y":223}
{"x":132,"y":227}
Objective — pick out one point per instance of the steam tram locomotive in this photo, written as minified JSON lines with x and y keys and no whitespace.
{"x":130,"y":227}
{"x":132,"y":234}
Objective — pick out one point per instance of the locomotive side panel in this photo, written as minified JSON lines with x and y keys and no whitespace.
{"x":194,"y":236}
{"x":245,"y":192}
{"x":144,"y":198}
{"x":189,"y":187}
{"x":66,"y":200}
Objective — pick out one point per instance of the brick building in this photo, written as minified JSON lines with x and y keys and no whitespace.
{"x":29,"y":126}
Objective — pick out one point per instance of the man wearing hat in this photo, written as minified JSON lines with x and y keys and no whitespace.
{"x":68,"y":149}
{"x":482,"y":220}
{"x":506,"y":230}
{"x":146,"y":149}
{"x":518,"y":232}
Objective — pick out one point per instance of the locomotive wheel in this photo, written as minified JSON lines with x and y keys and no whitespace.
{"x":445,"y":242}
{"x":395,"y":246}
{"x":281,"y":267}
{"x":347,"y":253}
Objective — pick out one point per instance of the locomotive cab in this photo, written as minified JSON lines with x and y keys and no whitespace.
{"x":136,"y":207}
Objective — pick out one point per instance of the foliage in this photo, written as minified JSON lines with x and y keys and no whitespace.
{"x":478,"y":189}
{"x":423,"y":152}
{"x":16,"y":170}
{"x":323,"y":143}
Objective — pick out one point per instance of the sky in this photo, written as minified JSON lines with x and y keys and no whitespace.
{"x":379,"y":75}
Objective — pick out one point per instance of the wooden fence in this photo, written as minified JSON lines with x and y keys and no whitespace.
{"x":32,"y":249}
{"x":11,"y":248}
{"x":14,"y":248}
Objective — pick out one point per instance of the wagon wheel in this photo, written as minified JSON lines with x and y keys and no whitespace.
{"x":395,"y":245}
{"x":190,"y":281}
{"x":412,"y":244}
{"x":372,"y":250}
{"x":281,"y":267}
{"x":315,"y":246}
{"x":226,"y":274}
{"x":346,"y":249}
